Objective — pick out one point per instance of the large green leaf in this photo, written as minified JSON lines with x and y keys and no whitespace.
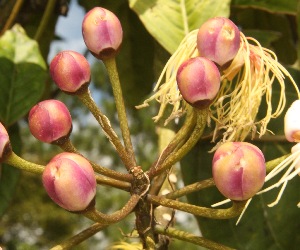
{"x":168,"y":21}
{"x":280,"y":6}
{"x":22,"y":74}
{"x":9,"y":175}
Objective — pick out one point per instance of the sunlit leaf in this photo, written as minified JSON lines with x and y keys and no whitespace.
{"x":22,"y":74}
{"x":168,"y":21}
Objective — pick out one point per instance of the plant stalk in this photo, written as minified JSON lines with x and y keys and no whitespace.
{"x":18,"y":162}
{"x":104,"y":122}
{"x":80,"y":237}
{"x":67,"y":146}
{"x":211,"y":213}
{"x":120,"y":105}
{"x":188,"y":237}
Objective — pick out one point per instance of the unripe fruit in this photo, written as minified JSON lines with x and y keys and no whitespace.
{"x":70,"y":71}
{"x":5,"y":146}
{"x":70,"y":181}
{"x":198,"y":81}
{"x":102,"y":33}
{"x":239,"y":170}
{"x":218,"y":39}
{"x":292,"y":122}
{"x":50,"y":121}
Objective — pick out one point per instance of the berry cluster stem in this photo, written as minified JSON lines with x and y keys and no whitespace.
{"x":18,"y":162}
{"x":104,"y":122}
{"x":211,"y":213}
{"x":120,"y":105}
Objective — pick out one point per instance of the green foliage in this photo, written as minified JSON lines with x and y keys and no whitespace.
{"x":9,"y":176}
{"x":169,"y":21}
{"x":280,"y":6}
{"x":22,"y":75}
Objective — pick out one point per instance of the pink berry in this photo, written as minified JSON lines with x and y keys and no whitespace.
{"x":218,"y":39}
{"x":70,"y":71}
{"x":70,"y":182}
{"x":239,"y":170}
{"x":198,"y":81}
{"x":50,"y":121}
{"x":102,"y":33}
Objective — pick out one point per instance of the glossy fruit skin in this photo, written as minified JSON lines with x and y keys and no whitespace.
{"x":198,"y":81}
{"x":239,"y":170}
{"x":218,"y":39}
{"x":70,"y":71}
{"x":102,"y":33}
{"x":50,"y":121}
{"x":70,"y":182}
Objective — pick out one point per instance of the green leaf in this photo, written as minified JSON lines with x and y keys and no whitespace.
{"x":22,"y":75}
{"x":9,"y":175}
{"x":280,"y":6}
{"x":168,"y":21}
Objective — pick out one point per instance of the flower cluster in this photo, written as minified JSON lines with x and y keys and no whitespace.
{"x":248,"y":72}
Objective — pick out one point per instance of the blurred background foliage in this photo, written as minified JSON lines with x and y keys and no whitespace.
{"x":152,"y":31}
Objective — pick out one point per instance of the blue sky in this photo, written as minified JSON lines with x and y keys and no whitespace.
{"x":69,"y":29}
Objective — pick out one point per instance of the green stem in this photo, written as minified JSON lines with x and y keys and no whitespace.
{"x":211,"y":213}
{"x":12,"y":17}
{"x":103,"y":121}
{"x":106,"y":219}
{"x":80,"y":237}
{"x":191,"y":188}
{"x":182,"y":151}
{"x":67,"y":146}
{"x":45,"y":19}
{"x":117,"y":91}
{"x":18,"y":162}
{"x":113,"y":183}
{"x":178,"y":139}
{"x":270,"y":165}
{"x":188,"y":237}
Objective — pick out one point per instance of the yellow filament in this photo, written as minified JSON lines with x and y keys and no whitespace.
{"x":245,"y":84}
